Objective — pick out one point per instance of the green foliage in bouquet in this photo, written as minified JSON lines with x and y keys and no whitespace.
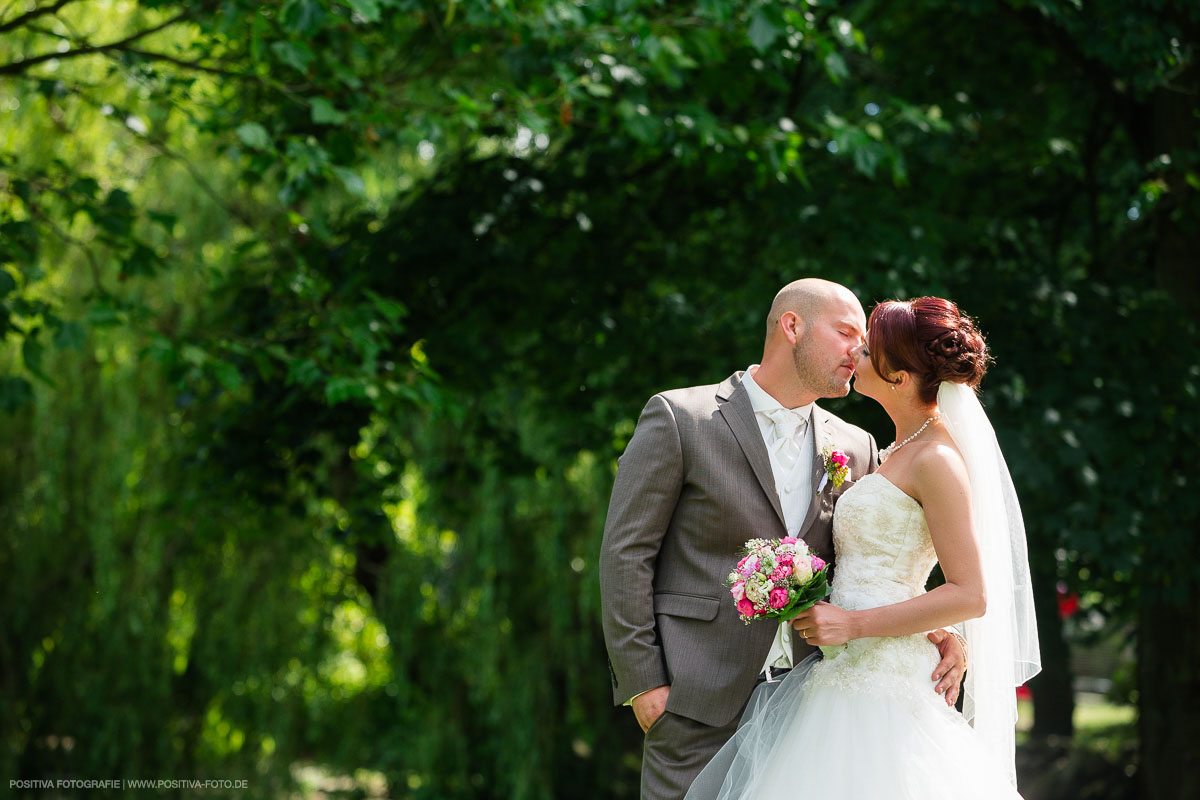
{"x":816,"y":591}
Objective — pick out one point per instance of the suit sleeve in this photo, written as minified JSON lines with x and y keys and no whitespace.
{"x":646,"y":490}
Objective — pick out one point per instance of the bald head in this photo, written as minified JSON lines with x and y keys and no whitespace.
{"x":814,"y":332}
{"x":808,"y":299}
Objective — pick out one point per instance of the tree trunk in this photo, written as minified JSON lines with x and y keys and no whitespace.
{"x":1053,"y":696}
{"x":1168,"y":649}
{"x":1169,"y":700}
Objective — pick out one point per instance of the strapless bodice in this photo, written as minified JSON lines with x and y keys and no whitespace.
{"x":884,"y":553}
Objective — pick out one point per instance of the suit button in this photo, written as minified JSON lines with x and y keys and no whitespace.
{"x":788,"y":489}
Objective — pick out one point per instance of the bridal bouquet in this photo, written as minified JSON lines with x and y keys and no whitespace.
{"x":777,"y":579}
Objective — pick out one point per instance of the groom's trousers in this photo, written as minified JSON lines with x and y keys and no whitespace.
{"x":676,"y":749}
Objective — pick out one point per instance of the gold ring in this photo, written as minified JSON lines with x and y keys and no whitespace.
{"x":804,"y":633}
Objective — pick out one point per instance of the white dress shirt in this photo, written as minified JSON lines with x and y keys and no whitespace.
{"x":793,"y":482}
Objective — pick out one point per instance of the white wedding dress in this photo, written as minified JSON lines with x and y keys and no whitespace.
{"x":866,"y":723}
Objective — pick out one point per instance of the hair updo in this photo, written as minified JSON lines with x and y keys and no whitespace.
{"x":931,"y":340}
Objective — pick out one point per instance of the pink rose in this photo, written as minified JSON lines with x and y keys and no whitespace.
{"x":785,"y":559}
{"x":839,"y":458}
{"x":745,"y":607}
{"x":780,"y":574}
{"x":788,"y":540}
{"x":742,"y":563}
{"x":817,"y":564}
{"x":779,"y":598}
{"x":738,"y":590}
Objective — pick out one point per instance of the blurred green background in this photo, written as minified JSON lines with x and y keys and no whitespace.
{"x":325,"y":322}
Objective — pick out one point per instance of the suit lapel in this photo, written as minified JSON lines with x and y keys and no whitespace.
{"x":821,"y":434}
{"x":739,"y":414}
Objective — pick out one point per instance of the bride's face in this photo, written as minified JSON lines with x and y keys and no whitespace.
{"x":866,"y":380}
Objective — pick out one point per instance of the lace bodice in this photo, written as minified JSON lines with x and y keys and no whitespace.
{"x":884,"y":553}
{"x":884,"y":556}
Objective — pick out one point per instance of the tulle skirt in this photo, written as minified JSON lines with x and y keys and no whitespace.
{"x":865,"y":724}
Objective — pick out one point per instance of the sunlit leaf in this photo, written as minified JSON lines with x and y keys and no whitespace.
{"x":351,"y":180}
{"x":254,"y":136}
{"x":762,"y":31}
{"x":296,"y":55}
{"x":324,"y":113}
{"x":367,"y":9}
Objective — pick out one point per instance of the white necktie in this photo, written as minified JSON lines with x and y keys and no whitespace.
{"x":787,"y":429}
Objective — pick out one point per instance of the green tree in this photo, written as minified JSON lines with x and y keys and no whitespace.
{"x":401,"y":275}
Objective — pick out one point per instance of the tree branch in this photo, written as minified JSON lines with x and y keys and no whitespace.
{"x":36,"y":211}
{"x":29,"y":16}
{"x":179,"y":62}
{"x":162,"y":147}
{"x":17,"y":67}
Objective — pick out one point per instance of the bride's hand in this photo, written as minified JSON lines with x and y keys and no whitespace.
{"x":825,"y":624}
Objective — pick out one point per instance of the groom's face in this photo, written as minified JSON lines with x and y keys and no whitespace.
{"x":825,"y":355}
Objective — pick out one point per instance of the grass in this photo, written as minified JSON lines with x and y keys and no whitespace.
{"x":1093,"y":713}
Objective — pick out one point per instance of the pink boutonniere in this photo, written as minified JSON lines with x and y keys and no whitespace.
{"x":837,"y":467}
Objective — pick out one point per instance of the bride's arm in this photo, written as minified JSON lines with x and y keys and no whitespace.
{"x":939,"y":483}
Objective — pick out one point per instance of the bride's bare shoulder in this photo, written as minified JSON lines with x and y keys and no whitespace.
{"x":938,"y":466}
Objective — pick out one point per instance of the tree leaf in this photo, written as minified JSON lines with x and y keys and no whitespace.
{"x":835,"y":67}
{"x":303,"y":372}
{"x":351,"y":180}
{"x":716,"y":9}
{"x":367,"y":9}
{"x":392,"y":310}
{"x":254,"y":136}
{"x":31,"y":353}
{"x":340,"y":389}
{"x":598,"y":89}
{"x":324,"y":113}
{"x":295,"y":55}
{"x":70,"y":336}
{"x":141,"y":261}
{"x":15,"y":392}
{"x":167,"y":221}
{"x":303,"y":17}
{"x":103,"y":314}
{"x":762,"y":31}
{"x":19,"y":243}
{"x":227,"y":374}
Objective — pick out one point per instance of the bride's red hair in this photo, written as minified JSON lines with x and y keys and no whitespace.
{"x":929,"y":339}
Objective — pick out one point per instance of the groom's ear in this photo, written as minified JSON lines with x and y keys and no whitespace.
{"x":792,"y":325}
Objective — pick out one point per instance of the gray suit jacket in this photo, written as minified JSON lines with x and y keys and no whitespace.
{"x":693,"y":485}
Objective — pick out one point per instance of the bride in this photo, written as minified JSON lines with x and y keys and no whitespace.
{"x":861,"y":722}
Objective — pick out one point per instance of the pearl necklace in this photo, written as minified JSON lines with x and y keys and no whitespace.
{"x":893,"y":447}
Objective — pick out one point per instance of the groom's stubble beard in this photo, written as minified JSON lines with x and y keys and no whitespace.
{"x":820,"y":379}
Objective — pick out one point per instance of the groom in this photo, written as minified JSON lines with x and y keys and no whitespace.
{"x":709,"y":467}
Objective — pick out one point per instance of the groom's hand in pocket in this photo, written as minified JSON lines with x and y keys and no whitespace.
{"x":649,"y":706}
